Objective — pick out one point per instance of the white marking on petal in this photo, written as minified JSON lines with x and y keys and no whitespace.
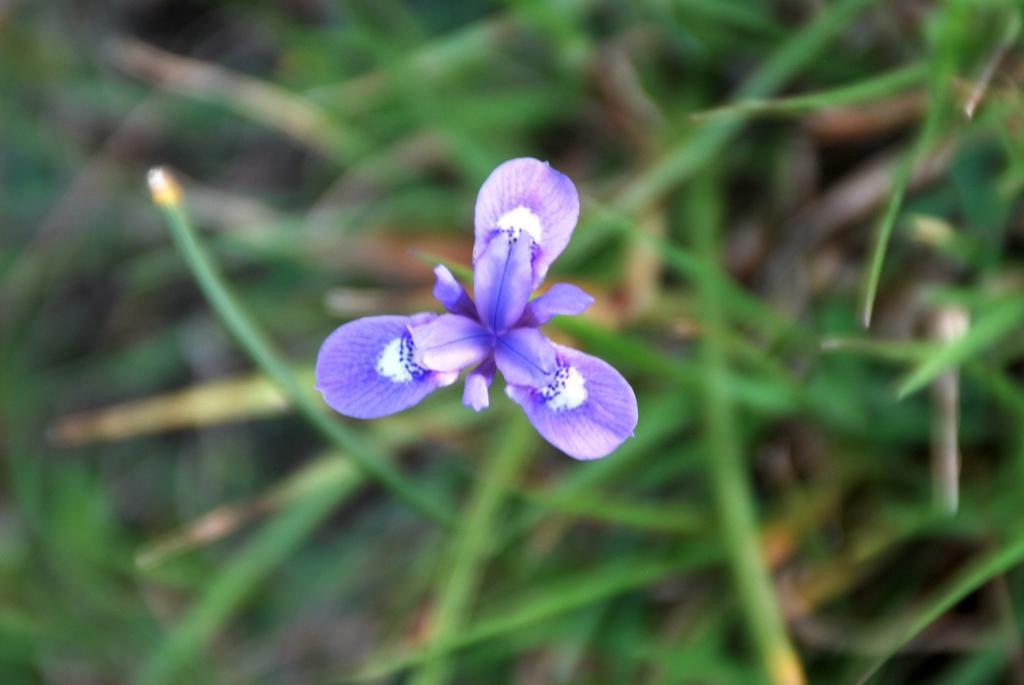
{"x":521,"y":219}
{"x":567,"y":391}
{"x":396,"y":361}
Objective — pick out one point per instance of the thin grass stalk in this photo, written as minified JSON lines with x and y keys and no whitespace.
{"x":226,"y":591}
{"x":545,"y":603}
{"x":869,"y":89}
{"x":168,"y":197}
{"x":459,"y":583}
{"x":733,"y":497}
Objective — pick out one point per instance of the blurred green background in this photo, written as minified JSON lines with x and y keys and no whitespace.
{"x":808,"y":498}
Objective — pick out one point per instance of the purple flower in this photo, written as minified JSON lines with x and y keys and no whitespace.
{"x":525,"y":215}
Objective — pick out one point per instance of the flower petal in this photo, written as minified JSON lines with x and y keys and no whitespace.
{"x":561,"y":298}
{"x":365,"y":369}
{"x":525,"y":357}
{"x":451,"y":294}
{"x":526,"y":194}
{"x":450,"y":343}
{"x":501,"y":282}
{"x":587,"y":411}
{"x":474,"y":393}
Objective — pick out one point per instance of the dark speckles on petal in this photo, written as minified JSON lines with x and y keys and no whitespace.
{"x":525,"y":213}
{"x":366,"y":368}
{"x":587,"y":410}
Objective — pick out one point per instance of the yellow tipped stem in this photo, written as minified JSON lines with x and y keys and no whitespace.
{"x":164,"y":188}
{"x":169,"y":198}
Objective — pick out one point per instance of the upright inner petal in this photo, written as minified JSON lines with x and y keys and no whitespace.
{"x":519,"y":219}
{"x":502,"y":281}
{"x":451,"y":294}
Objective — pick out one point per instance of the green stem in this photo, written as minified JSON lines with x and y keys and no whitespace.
{"x":529,"y":609}
{"x":684,"y":161}
{"x":975,"y":574}
{"x":901,"y":178}
{"x":167,"y":196}
{"x":733,"y":498}
{"x":471,"y":547}
{"x":872,"y":88}
{"x":225,"y":592}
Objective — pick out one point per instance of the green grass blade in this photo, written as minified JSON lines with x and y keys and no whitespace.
{"x":685,"y":160}
{"x":989,"y":328}
{"x":887,"y":222}
{"x":976,"y":668}
{"x":869,"y":89}
{"x":977,"y":573}
{"x":733,"y":497}
{"x":741,"y":304}
{"x":655,"y":517}
{"x":893,"y":351}
{"x":167,"y":195}
{"x":337,"y":479}
{"x":631,"y":353}
{"x":459,"y":582}
{"x":555,"y":598}
{"x":941,"y":72}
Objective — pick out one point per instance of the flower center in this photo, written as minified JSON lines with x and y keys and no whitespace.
{"x":567,"y":391}
{"x":396,"y":361}
{"x":520,"y":219}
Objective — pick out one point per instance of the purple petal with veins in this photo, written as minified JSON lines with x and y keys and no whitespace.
{"x":526,"y":195}
{"x":561,"y":298}
{"x":525,"y":214}
{"x":366,"y":368}
{"x":450,"y":343}
{"x":525,"y":357}
{"x":587,"y":410}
